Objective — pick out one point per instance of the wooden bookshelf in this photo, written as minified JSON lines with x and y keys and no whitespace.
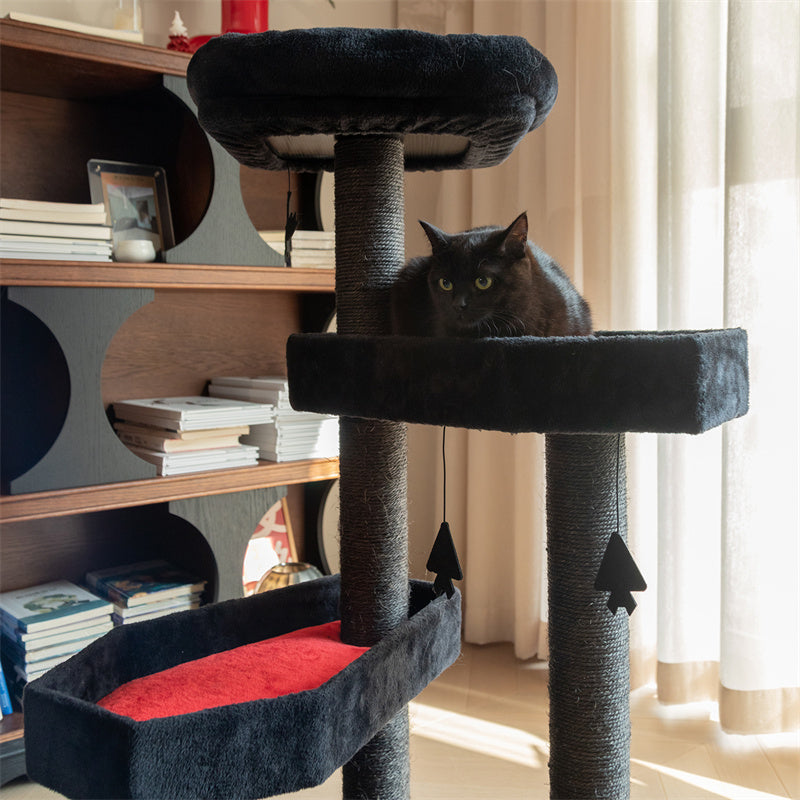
{"x":66,"y":97}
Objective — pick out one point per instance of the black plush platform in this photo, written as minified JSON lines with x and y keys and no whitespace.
{"x":672,"y":382}
{"x":250,"y":749}
{"x":481,"y":93}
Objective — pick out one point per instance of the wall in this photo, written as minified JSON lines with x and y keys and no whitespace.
{"x":203,"y":16}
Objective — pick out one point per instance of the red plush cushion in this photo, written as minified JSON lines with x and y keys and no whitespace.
{"x":297,"y":661}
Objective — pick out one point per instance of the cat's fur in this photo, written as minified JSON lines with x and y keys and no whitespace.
{"x":528,"y":293}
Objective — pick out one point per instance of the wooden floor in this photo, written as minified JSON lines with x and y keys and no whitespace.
{"x":480,"y":731}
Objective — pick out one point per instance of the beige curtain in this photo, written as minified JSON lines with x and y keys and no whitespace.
{"x":665,"y":181}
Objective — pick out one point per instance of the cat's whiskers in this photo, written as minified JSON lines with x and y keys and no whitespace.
{"x":512,"y":324}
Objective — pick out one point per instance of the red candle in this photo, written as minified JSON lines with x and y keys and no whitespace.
{"x":245,"y":16}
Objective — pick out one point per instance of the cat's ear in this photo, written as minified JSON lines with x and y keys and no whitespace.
{"x":437,"y":238}
{"x":516,"y":238}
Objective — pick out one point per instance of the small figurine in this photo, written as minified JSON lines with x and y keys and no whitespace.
{"x":178,"y":36}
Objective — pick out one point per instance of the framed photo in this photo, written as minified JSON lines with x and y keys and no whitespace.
{"x":136,"y":200}
{"x":272,"y":543}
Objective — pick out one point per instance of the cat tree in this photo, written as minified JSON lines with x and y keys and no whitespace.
{"x":370,"y":104}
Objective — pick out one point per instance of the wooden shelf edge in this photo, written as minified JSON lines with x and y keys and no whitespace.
{"x":44,"y":38}
{"x":11,"y":727}
{"x":22,"y":272}
{"x":64,"y":502}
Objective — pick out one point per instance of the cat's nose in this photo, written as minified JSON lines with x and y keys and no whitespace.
{"x":460,"y":302}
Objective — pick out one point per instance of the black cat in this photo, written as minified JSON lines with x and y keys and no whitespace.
{"x":486,"y":282}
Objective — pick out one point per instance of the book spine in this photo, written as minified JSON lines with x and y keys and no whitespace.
{"x":5,"y":697}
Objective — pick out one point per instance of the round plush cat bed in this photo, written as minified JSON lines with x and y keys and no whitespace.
{"x":188,"y":719}
{"x":278,"y":99}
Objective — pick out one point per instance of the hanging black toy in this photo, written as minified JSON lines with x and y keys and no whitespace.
{"x":619,"y":575}
{"x":618,"y":572}
{"x":443,"y":559}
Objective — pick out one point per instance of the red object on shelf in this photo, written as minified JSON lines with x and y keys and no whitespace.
{"x":245,"y":16}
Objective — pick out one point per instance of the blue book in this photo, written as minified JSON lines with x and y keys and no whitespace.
{"x":5,"y":698}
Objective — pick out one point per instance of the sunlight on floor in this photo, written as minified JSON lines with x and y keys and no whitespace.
{"x":479,"y":736}
{"x":710,"y":785}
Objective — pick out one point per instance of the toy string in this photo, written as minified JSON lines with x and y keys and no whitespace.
{"x":619,"y":446}
{"x":444,"y":477}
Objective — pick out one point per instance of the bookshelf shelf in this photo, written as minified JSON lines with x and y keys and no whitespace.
{"x":63,"y":502}
{"x":21,"y":272}
{"x":59,"y":63}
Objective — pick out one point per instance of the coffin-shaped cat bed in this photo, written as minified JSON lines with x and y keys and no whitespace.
{"x":672,"y":382}
{"x":276,"y":99}
{"x":237,"y":747}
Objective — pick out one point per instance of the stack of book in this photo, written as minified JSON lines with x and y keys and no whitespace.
{"x":181,"y":435}
{"x":43,"y":625}
{"x":54,"y":231}
{"x":292,"y":435}
{"x":146,"y":590}
{"x":309,"y":248}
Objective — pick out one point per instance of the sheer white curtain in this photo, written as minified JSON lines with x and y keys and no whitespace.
{"x":666,"y":183}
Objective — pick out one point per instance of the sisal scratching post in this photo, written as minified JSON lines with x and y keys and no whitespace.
{"x":589,"y":668}
{"x":372,"y":487}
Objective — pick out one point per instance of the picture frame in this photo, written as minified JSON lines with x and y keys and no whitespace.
{"x":137,"y":203}
{"x":272,"y":543}
{"x":328,"y":529}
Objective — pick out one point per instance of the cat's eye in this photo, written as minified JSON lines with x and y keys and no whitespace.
{"x":483,"y":282}
{"x":445,"y":284}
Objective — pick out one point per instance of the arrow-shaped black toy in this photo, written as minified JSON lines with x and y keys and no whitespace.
{"x":619,"y":575}
{"x":443,"y":560}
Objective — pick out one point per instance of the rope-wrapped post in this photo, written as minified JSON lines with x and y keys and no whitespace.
{"x":589,"y":662}
{"x":369,"y":207}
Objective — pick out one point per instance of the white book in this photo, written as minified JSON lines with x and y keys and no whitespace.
{"x":200,"y":461}
{"x":161,"y":444}
{"x":47,"y":215}
{"x":20,"y":203}
{"x":177,"y":603}
{"x":197,"y":456}
{"x":302,"y":431}
{"x":54,"y":256}
{"x":278,"y":399}
{"x":318,"y":240}
{"x":193,"y":413}
{"x":7,"y":625}
{"x":50,"y":605}
{"x":56,"y":636}
{"x":258,"y":382}
{"x":184,"y":436}
{"x":63,"y":229}
{"x":155,"y":613}
{"x":189,"y":469}
{"x":23,"y":242}
{"x":45,"y":655}
{"x":300,"y":418}
{"x":32,"y":672}
{"x":325,"y":427}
